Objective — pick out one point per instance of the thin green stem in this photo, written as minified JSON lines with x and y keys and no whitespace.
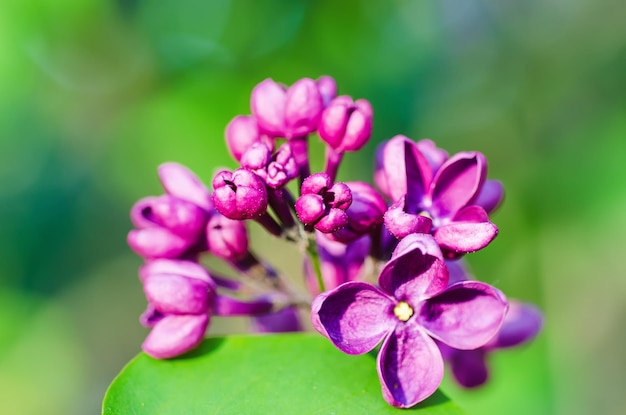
{"x":315,"y":261}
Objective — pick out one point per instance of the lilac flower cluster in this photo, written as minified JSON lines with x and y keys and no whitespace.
{"x":382,"y":265}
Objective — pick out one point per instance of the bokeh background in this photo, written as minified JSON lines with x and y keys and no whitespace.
{"x":94,"y":94}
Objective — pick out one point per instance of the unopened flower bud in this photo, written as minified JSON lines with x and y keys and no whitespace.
{"x":346,"y":125}
{"x":239,"y":195}
{"x":241,"y":133}
{"x":289,"y":113}
{"x":328,"y":88}
{"x":227,"y":238}
{"x":322,"y":205}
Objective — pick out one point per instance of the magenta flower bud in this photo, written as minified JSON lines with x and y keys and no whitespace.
{"x":365,"y":213}
{"x":241,"y":133}
{"x":323,"y":206}
{"x":289,"y":113}
{"x":282,"y":169}
{"x":328,"y":89}
{"x":227,"y":238}
{"x":239,"y":195}
{"x":256,"y":158}
{"x":346,"y":125}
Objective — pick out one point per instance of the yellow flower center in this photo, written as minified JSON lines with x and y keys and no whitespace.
{"x":403,"y":311}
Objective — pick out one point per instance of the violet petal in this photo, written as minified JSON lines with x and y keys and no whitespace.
{"x":463,"y":237}
{"x":522,"y":322}
{"x":491,"y":195}
{"x":469,"y":367}
{"x":416,"y":270}
{"x":282,"y":321}
{"x":458,"y":182}
{"x":465,"y":316}
{"x":355,"y":316}
{"x":401,"y":223}
{"x":410,"y":366}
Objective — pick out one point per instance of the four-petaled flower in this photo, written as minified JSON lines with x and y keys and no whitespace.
{"x":413,"y":306}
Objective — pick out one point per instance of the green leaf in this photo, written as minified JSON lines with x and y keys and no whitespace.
{"x":260,"y":374}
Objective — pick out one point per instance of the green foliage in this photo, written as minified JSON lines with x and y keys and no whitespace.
{"x":282,"y":374}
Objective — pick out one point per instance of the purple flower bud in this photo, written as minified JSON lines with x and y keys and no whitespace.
{"x":328,"y":89}
{"x":256,"y":158}
{"x":227,"y":238}
{"x":289,"y":113}
{"x":364,"y":213}
{"x":346,"y":125}
{"x":322,"y":205}
{"x":241,"y":133}
{"x":284,"y":320}
{"x":282,"y":169}
{"x":239,"y":195}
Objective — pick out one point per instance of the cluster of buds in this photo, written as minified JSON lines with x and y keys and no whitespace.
{"x":383,"y":265}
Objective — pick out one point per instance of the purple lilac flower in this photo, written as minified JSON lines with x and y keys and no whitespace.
{"x":522,"y":323}
{"x":227,"y":238}
{"x":446,"y":195}
{"x":172,"y":225}
{"x":239,"y":195}
{"x":323,"y":205}
{"x":413,"y":306}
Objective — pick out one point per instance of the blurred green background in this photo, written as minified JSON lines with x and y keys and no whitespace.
{"x":94,"y":94}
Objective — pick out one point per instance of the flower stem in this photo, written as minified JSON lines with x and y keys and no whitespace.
{"x":315,"y":261}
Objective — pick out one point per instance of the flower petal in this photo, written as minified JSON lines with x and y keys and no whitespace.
{"x":282,"y":321}
{"x":410,"y":366}
{"x":457,"y":183}
{"x":179,"y":181}
{"x":355,"y":316}
{"x":491,"y":195}
{"x":469,"y":367}
{"x":400,"y":167}
{"x":188,"y":269}
{"x":174,"y":335}
{"x":522,"y":322}
{"x":157,"y":243}
{"x":416,"y":270}
{"x":465,"y":316}
{"x":175,"y":294}
{"x":470,"y":231}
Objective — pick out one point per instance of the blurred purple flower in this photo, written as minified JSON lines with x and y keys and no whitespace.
{"x":172,"y":225}
{"x":180,"y":299}
{"x":522,"y":323}
{"x":339,"y":262}
{"x":412,"y":306}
